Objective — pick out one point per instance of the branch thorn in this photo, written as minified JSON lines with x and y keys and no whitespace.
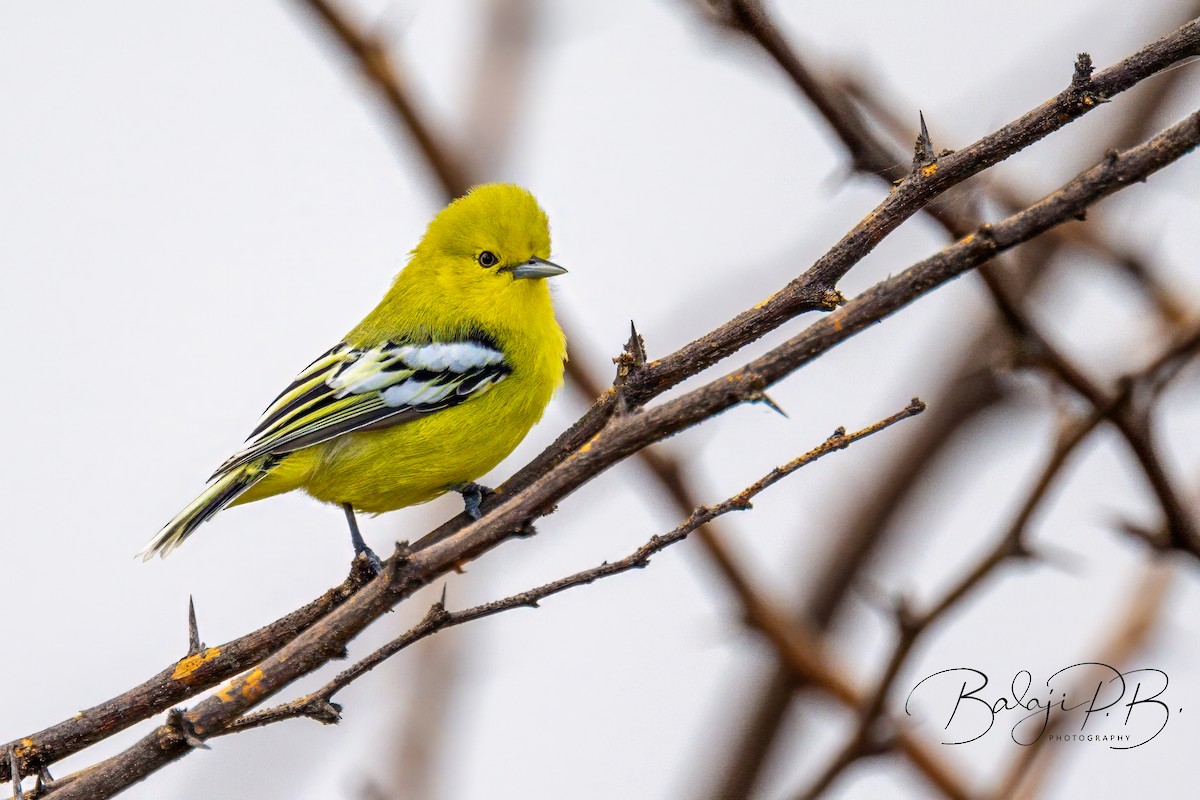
{"x":323,"y":711}
{"x":636,"y":346}
{"x":766,"y":400}
{"x":1083,"y":72}
{"x":924,"y":158}
{"x":629,"y":363}
{"x":195,"y":646}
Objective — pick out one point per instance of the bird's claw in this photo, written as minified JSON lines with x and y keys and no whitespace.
{"x":472,"y":495}
{"x":369,"y":560}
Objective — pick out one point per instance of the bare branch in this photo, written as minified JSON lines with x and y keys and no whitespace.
{"x":186,"y":678}
{"x":438,"y":619}
{"x":184,"y":732}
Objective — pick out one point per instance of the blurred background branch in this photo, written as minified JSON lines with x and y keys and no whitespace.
{"x":802,"y":636}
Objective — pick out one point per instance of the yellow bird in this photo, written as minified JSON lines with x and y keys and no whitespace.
{"x":429,"y":392}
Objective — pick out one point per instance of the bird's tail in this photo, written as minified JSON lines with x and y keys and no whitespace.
{"x":220,"y":493}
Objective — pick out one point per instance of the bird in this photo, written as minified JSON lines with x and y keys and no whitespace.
{"x":428,"y":393}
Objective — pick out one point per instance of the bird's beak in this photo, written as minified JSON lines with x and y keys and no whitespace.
{"x":536,"y":268}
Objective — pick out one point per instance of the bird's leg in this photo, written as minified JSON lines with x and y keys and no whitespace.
{"x":472,"y":495}
{"x":360,"y":547}
{"x":14,"y":767}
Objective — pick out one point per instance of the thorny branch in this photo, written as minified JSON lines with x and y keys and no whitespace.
{"x":317,"y":704}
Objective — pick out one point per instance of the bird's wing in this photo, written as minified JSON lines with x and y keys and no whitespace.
{"x":351,"y":389}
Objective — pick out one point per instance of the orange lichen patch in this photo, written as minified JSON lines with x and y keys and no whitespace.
{"x":185,"y":668}
{"x":252,"y":688}
{"x":25,"y":748}
{"x":588,"y":445}
{"x":928,"y":170}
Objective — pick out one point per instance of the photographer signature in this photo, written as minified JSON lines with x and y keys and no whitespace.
{"x":1095,"y":689}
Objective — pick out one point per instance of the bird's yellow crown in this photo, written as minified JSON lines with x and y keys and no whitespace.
{"x":497,"y":217}
{"x":472,"y":255}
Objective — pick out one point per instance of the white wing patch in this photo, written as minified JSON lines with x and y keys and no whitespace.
{"x":375,"y":369}
{"x":348,"y":389}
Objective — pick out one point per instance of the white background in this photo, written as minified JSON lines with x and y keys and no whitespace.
{"x":197,"y":198}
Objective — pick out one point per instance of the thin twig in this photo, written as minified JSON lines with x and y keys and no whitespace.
{"x":438,"y":618}
{"x":183,"y":732}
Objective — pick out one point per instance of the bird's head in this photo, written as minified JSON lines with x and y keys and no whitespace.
{"x":490,"y":244}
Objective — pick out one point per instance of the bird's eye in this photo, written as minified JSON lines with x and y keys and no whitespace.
{"x":488,"y":259}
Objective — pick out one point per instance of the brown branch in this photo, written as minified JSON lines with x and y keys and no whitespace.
{"x":815,"y":289}
{"x":1090,"y":238}
{"x":623,"y":435}
{"x":438,"y":619}
{"x":868,"y":154}
{"x":500,"y":86}
{"x":760,"y":612}
{"x":627,"y":434}
{"x":186,"y":678}
{"x":329,"y":637}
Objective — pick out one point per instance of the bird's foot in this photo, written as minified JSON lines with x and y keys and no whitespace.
{"x":368,"y":559}
{"x":45,"y":781}
{"x":472,"y":495}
